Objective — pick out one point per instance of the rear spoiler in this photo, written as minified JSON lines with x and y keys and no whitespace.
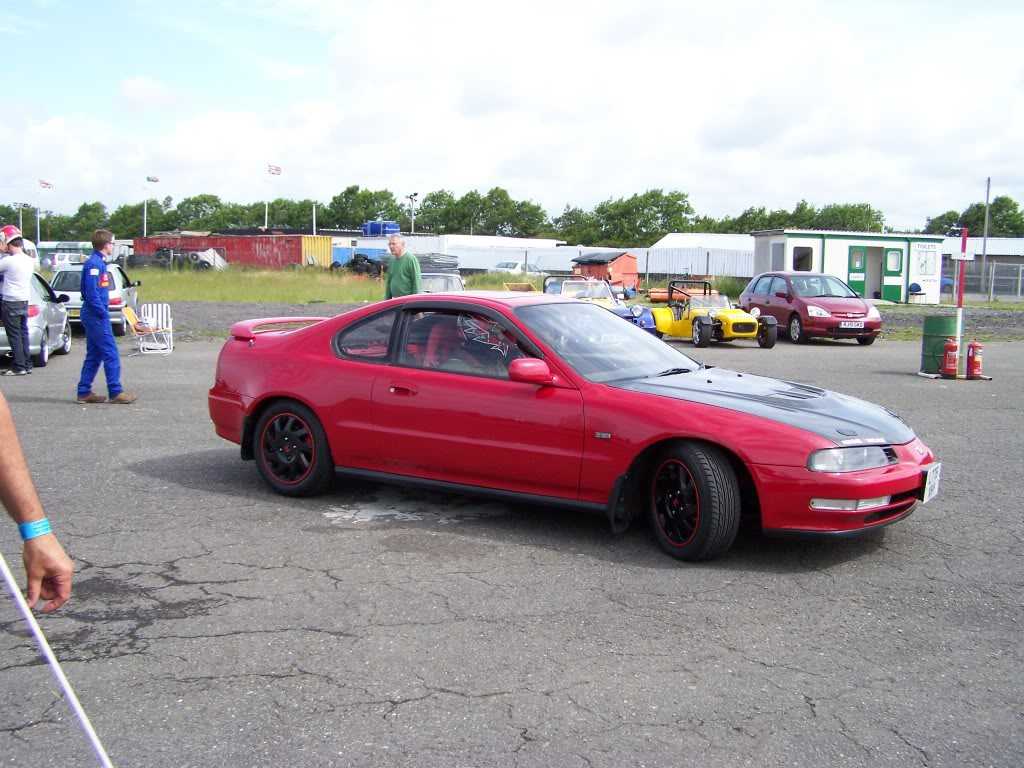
{"x":246,"y":330}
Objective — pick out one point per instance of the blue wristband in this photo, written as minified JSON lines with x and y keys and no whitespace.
{"x":35,"y":528}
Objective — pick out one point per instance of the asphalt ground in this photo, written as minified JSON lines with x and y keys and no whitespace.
{"x":216,"y":624}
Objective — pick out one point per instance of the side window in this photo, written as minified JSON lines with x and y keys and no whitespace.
{"x":41,"y":290}
{"x":762,"y":285}
{"x":368,"y":339}
{"x":778,"y":284}
{"x":460,"y":342}
{"x":125,"y":282}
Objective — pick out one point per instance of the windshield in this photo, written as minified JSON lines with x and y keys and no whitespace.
{"x":720,"y":301}
{"x":809,"y":286}
{"x":599,"y":345}
{"x":586,"y":289}
{"x":505,"y":265}
{"x":67,"y":281}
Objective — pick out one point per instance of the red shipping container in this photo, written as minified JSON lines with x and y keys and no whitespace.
{"x":266,"y":251}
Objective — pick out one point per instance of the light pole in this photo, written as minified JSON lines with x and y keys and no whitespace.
{"x":21,"y":207}
{"x":412,"y":204}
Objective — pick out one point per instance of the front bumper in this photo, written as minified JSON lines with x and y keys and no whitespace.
{"x":829,"y":327}
{"x":786,"y":492}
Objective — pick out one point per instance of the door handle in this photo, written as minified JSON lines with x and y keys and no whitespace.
{"x":402,"y":390}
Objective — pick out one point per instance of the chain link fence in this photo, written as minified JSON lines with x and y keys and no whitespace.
{"x":994,"y":281}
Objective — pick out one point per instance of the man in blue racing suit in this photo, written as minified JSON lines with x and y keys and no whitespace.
{"x":99,"y":338}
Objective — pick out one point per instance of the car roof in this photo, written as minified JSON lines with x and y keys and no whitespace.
{"x":799,"y":274}
{"x":511,"y":299}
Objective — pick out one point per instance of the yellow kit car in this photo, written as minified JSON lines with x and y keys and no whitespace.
{"x":697,"y":312}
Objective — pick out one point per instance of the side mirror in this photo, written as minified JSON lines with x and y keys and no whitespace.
{"x":735,"y":305}
{"x":781,"y":294}
{"x":63,"y":298}
{"x":530,"y":370}
{"x":136,"y":283}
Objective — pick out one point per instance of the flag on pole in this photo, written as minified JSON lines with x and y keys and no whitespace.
{"x":274,"y":170}
{"x":153,"y":179}
{"x":45,"y":184}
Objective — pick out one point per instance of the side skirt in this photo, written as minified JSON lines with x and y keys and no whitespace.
{"x":471,"y":490}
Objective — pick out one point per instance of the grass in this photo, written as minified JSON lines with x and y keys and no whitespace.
{"x":298,"y":286}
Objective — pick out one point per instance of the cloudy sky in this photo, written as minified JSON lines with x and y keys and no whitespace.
{"x":907,"y":106}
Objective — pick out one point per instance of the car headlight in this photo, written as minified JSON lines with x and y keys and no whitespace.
{"x":636,"y":310}
{"x":847,"y":459}
{"x":873,"y":313}
{"x":755,"y":312}
{"x":814,"y":311}
{"x":712,"y":312}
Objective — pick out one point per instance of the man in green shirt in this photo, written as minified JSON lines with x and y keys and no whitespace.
{"x":403,"y":277}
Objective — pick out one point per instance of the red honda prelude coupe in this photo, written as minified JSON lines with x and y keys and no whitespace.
{"x":540,"y":398}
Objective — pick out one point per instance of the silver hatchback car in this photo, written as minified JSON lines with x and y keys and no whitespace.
{"x":49,"y":331}
{"x":123,"y":293}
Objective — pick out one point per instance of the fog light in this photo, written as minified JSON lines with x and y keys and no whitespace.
{"x":849,"y":505}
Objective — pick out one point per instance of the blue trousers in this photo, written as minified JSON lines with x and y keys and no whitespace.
{"x":100,"y":347}
{"x":15,"y":320}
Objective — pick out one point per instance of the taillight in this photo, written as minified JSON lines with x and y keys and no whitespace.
{"x":33,"y":310}
{"x":116,"y":301}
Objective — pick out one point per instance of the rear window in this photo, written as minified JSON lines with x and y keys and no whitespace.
{"x":67,"y":281}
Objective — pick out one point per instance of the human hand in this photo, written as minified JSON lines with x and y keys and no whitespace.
{"x":49,"y":572}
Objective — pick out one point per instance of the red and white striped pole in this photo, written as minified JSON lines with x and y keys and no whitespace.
{"x":960,"y":275}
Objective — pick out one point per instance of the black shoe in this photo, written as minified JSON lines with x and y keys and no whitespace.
{"x":12,"y":372}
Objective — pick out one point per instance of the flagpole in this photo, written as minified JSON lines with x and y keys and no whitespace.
{"x":38,"y":200}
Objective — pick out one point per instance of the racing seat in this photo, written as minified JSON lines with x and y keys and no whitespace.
{"x":444,"y":339}
{"x":152,"y":333}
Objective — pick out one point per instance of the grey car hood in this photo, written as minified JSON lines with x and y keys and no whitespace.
{"x":839,"y":418}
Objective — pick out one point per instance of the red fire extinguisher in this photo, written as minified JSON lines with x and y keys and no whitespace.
{"x":974,"y":360}
{"x":950,"y":359}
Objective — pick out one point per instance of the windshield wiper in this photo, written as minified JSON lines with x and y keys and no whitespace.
{"x":672,"y":372}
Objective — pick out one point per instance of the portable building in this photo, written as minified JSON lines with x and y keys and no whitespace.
{"x":888,"y":266}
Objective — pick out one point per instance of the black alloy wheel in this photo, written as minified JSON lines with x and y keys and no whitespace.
{"x":694,"y":501}
{"x":291,"y":450}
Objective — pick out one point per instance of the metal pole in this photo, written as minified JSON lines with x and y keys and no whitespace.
{"x":145,"y":212}
{"x":1020,"y":274}
{"x":21,"y":208}
{"x":38,"y":238}
{"x":314,"y":218}
{"x":984,"y":233}
{"x":960,"y":292}
{"x":62,"y":680}
{"x":266,"y":215}
{"x":991,"y":281}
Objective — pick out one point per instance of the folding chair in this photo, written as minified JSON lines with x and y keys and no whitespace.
{"x":153,"y":332}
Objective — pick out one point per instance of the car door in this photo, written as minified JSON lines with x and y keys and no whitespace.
{"x":129,"y":292}
{"x":51,"y":309}
{"x":447,"y":410}
{"x":777,"y":301}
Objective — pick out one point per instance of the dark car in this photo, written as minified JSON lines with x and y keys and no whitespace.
{"x":812,"y":304}
{"x":549,"y":400}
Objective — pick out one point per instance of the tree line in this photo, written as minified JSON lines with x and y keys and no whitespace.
{"x":635,"y":221}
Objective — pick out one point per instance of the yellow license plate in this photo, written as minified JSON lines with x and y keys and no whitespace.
{"x":73,"y":313}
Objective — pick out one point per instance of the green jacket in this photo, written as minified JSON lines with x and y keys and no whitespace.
{"x":403,"y":276}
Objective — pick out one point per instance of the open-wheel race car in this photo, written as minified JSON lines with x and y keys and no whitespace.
{"x":599,"y":292}
{"x":698,"y":312}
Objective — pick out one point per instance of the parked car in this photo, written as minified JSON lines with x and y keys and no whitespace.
{"x":441,"y":282}
{"x":538,"y":398}
{"x":813,"y":304}
{"x":698,"y":312}
{"x":49,"y":331}
{"x":599,"y":292}
{"x":123,"y":293}
{"x":517,"y":268}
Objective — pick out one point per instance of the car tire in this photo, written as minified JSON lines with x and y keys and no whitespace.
{"x":65,"y":347}
{"x":866,"y":341}
{"x":767,"y":336}
{"x":796,"y":330}
{"x":701,"y":334}
{"x":659,"y":334}
{"x":291,"y":450}
{"x":121,"y":328}
{"x":40,"y":360}
{"x":694,"y":501}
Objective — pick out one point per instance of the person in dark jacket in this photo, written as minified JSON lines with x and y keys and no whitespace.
{"x":99,"y":337}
